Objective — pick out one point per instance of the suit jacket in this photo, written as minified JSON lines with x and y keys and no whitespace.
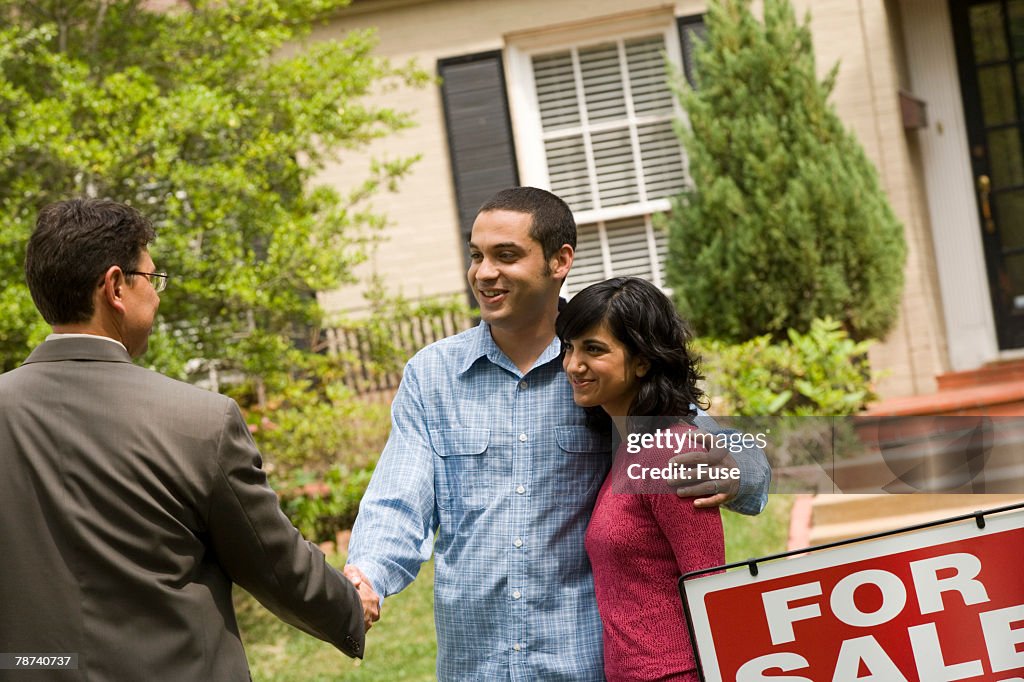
{"x":130,"y":504}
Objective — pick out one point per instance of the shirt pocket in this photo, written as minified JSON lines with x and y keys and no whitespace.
{"x":583,"y":463}
{"x":462,"y":478}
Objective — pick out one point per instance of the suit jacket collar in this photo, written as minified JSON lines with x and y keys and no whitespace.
{"x":97,"y":350}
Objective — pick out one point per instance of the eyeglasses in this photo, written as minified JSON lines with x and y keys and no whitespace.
{"x":159,"y":284}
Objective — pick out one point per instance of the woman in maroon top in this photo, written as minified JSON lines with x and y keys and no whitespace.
{"x":626,"y":356}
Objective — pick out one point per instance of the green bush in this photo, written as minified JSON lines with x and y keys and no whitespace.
{"x":314,"y":427}
{"x":320,"y":506}
{"x":775,"y":387}
{"x":320,"y":443}
{"x":785,"y":220}
{"x":823,"y":372}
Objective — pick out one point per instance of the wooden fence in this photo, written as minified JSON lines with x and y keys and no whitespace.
{"x":374,"y":355}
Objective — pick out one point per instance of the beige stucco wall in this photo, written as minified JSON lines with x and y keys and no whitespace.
{"x":860,"y":36}
{"x":421,"y":254}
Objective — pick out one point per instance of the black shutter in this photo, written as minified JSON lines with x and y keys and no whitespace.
{"x":691,"y":31}
{"x":479,"y":130}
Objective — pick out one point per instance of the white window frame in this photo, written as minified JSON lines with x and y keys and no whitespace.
{"x":526,"y":120}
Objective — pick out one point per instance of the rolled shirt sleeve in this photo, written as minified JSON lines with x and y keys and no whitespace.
{"x":394,"y":530}
{"x":755,"y":474}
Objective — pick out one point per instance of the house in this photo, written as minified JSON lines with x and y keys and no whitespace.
{"x":571,"y":96}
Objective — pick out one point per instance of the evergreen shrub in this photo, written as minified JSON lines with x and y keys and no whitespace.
{"x":784,"y":221}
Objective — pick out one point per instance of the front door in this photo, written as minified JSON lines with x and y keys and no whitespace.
{"x":989,"y":37}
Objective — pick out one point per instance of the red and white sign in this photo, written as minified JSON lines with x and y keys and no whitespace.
{"x":938,"y":605}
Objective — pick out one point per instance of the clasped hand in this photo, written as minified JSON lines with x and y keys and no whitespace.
{"x":367,"y":595}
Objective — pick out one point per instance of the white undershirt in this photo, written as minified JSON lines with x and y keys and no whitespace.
{"x":53,"y":337}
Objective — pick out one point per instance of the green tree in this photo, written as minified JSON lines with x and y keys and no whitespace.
{"x":785,"y":220}
{"x":213,"y":118}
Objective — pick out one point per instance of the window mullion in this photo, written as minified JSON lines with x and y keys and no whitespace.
{"x":606,"y":251}
{"x":631,"y":122}
{"x":652,"y":250}
{"x":588,"y":150}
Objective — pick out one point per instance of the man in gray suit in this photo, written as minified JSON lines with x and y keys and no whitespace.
{"x":132,"y":502}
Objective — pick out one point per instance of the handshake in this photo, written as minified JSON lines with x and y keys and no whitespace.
{"x":367,"y":595}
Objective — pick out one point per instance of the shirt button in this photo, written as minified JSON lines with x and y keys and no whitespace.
{"x":521,"y":489}
{"x":516,"y":646}
{"x":518,"y":542}
{"x":523,"y":385}
{"x":517,"y":594}
{"x":522,"y":437}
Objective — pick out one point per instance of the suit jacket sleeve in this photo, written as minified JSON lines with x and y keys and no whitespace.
{"x":261,"y":550}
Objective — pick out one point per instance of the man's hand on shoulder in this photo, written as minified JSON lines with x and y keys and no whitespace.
{"x":711,"y":476}
{"x":367,"y":595}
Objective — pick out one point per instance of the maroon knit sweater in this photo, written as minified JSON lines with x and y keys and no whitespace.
{"x":639,"y":544}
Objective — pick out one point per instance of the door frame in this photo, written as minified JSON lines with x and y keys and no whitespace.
{"x":943,"y":153}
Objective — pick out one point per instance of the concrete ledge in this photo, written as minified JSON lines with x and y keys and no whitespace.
{"x":1005,"y":399}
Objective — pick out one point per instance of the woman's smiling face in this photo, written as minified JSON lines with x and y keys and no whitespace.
{"x":602,"y":371}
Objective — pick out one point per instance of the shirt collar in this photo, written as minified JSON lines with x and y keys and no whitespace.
{"x":482,"y":345}
{"x":54,"y":337}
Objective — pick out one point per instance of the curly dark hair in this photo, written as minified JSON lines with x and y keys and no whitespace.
{"x":643,"y":319}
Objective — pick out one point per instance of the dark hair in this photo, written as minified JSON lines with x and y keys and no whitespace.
{"x":644,"y":320}
{"x":74,"y":243}
{"x":553,"y":224}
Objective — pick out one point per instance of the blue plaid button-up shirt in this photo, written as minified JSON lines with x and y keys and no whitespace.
{"x":503,"y":464}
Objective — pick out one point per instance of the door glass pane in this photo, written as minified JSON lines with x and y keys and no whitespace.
{"x":1009,"y":216}
{"x":1013,"y":281}
{"x":1004,"y":155}
{"x":1016,"y":9}
{"x":996,"y":87}
{"x":1020,"y":85}
{"x":987,"y":32}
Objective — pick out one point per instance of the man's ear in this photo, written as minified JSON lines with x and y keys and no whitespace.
{"x":561,"y":261}
{"x":112,"y":288}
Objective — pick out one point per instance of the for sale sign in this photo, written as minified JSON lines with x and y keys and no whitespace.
{"x":937,"y":605}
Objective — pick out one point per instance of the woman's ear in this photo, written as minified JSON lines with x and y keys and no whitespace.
{"x":642,"y":367}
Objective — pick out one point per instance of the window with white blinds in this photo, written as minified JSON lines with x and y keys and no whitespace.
{"x":606,"y":117}
{"x":615,"y":248}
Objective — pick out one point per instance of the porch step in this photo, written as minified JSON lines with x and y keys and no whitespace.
{"x":840,"y":517}
{"x":1007,"y":371}
{"x":1004,"y":399}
